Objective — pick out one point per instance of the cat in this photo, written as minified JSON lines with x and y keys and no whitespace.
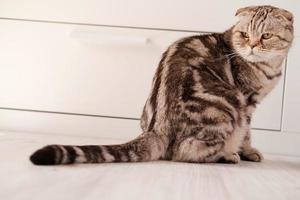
{"x":203,"y":95}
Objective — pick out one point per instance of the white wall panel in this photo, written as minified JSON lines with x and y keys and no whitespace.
{"x":200,"y":15}
{"x":291,"y":114}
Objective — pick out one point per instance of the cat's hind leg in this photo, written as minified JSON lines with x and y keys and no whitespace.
{"x":229,"y":158}
{"x":206,"y":146}
{"x":192,"y":149}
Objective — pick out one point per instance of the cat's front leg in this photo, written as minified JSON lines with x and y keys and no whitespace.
{"x":249,"y":153}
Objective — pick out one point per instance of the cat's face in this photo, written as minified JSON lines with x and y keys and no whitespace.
{"x":262,"y":33}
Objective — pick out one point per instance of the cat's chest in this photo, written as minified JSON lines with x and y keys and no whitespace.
{"x":266,"y":86}
{"x":267,"y":79}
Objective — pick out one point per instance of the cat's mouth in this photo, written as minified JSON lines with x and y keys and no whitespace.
{"x":252,"y":57}
{"x":255,"y":55}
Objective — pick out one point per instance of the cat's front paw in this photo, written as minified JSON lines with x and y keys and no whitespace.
{"x":252,"y":155}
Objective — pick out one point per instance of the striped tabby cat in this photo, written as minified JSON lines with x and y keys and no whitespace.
{"x":203,"y":95}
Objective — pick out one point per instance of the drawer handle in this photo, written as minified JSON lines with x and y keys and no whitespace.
{"x":108,"y":39}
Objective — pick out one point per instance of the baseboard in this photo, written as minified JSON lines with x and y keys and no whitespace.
{"x":275,"y":142}
{"x":64,"y":124}
{"x":267,"y":141}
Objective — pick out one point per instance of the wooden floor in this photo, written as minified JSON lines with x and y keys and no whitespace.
{"x":275,"y":178}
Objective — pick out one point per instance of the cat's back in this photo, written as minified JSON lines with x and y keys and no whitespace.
{"x":187,"y":50}
{"x":189,"y":62}
{"x":175,"y":76}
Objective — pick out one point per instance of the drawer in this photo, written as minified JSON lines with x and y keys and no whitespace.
{"x":200,"y":15}
{"x":79,"y":69}
{"x":90,"y":69}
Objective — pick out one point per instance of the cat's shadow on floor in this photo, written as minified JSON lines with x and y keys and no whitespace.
{"x":267,"y":164}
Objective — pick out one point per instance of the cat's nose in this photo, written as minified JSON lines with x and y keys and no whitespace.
{"x":253,"y":44}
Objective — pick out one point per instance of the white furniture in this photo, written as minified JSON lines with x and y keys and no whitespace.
{"x":85,"y":67}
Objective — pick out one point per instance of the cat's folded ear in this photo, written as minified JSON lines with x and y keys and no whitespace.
{"x":279,"y":13}
{"x":284,"y":15}
{"x":242,"y":12}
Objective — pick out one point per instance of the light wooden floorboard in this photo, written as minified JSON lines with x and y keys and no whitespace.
{"x":275,"y":178}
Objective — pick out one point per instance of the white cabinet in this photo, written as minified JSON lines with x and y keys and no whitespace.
{"x":74,"y":67}
{"x":291,"y":117}
{"x":90,"y":70}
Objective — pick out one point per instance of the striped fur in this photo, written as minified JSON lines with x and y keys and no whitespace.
{"x":203,"y":95}
{"x":145,"y":148}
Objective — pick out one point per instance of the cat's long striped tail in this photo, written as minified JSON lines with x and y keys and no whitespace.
{"x":149,"y":146}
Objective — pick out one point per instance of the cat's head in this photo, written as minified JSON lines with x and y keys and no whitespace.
{"x":262,"y":33}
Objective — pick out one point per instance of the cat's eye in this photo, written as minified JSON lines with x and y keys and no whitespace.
{"x":244,"y":35}
{"x":266,"y":36}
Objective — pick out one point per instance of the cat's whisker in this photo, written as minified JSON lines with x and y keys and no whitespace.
{"x":226,"y":56}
